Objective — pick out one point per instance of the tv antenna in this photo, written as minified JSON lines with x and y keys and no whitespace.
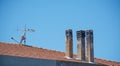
{"x":23,"y":37}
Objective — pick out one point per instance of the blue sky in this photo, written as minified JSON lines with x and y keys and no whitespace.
{"x":50,"y":19}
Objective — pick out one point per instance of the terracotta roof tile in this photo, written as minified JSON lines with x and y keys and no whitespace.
{"x":34,"y":52}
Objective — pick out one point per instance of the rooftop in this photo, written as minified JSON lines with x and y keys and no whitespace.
{"x":35,"y":52}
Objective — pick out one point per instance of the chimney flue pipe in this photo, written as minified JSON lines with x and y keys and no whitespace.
{"x":90,"y":48}
{"x":81,"y":45}
{"x":69,"y":44}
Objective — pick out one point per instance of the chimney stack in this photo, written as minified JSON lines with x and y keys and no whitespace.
{"x":69,"y":44}
{"x":81,"y":44}
{"x":90,"y":48}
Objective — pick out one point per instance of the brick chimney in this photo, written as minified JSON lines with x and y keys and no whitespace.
{"x":69,"y":44}
{"x":81,"y":45}
{"x":90,"y":48}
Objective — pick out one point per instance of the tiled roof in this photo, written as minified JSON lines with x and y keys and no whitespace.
{"x":35,"y":52}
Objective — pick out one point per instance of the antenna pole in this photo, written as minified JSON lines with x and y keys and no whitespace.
{"x":23,"y":37}
{"x":25,"y":34}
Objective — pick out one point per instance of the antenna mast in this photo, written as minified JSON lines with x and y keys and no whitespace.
{"x":23,"y":37}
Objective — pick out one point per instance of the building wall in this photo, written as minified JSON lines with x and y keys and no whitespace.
{"x":65,"y":63}
{"x":22,"y":61}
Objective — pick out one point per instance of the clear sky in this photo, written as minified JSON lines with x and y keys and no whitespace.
{"x":50,"y":19}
